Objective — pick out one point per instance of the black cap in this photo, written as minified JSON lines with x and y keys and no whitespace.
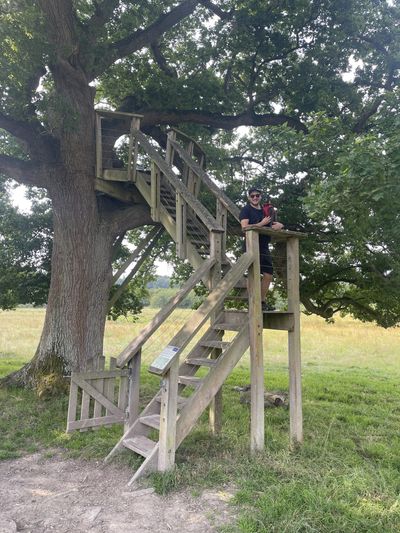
{"x":254,"y":189}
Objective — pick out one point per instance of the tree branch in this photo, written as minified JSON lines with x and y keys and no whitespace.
{"x":217,"y":120}
{"x":142,"y":38}
{"x":24,"y":172}
{"x":103,"y":13}
{"x":24,"y":131}
{"x":224,"y":15}
{"x":161,"y":61}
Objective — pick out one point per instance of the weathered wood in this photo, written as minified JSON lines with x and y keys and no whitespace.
{"x":95,"y":422}
{"x":115,"y":190}
{"x":181,"y":228}
{"x":278,"y":320}
{"x":222,"y":219}
{"x":169,"y":406}
{"x":277,"y":235}
{"x":155,"y":192}
{"x":99,"y":374}
{"x":133,"y":150}
{"x":212,"y":382}
{"x":199,"y":317}
{"x":109,"y":385}
{"x":218,"y":193}
{"x":204,"y":215}
{"x":116,"y":174}
{"x":295,"y":400}
{"x":98,"y":385}
{"x":144,"y":244}
{"x":256,"y":346}
{"x":166,"y":310}
{"x":134,"y":389}
{"x":100,"y":398}
{"x":72,"y":404}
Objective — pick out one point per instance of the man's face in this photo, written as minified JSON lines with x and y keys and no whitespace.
{"x":255,"y":198}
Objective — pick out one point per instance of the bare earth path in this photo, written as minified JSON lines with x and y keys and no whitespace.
{"x":61,"y":495}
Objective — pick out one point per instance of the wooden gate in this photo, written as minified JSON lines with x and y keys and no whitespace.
{"x":98,"y":397}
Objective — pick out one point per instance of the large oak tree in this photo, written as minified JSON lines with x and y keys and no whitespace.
{"x":216,"y":65}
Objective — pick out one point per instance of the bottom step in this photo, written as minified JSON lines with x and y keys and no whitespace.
{"x":140,"y":444}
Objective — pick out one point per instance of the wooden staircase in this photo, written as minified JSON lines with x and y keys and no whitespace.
{"x":191,"y":385}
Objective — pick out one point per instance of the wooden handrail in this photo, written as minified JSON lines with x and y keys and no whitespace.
{"x":278,"y":235}
{"x":201,"y":211}
{"x":164,"y":361}
{"x":220,"y":195}
{"x":133,"y":348}
{"x":180,"y":133}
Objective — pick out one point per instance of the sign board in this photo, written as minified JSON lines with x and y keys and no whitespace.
{"x":163,"y":360}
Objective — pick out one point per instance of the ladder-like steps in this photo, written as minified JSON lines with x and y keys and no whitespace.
{"x":192,"y":381}
{"x":201,"y":361}
{"x":152,"y":421}
{"x":181,"y":401}
{"x":226,"y":326}
{"x":214,"y":344}
{"x":140,"y":444}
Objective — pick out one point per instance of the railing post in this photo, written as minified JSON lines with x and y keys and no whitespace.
{"x":181,"y":216}
{"x":256,"y":345}
{"x":168,"y":415}
{"x":169,"y":151}
{"x":155,"y":192}
{"x":215,"y":410}
{"x":222,"y":219}
{"x":133,"y":150}
{"x":134,"y":390}
{"x":295,"y":401}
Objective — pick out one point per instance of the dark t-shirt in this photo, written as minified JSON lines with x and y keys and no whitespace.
{"x":254,"y":216}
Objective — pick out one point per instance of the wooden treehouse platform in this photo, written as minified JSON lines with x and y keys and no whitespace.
{"x":172,"y":185}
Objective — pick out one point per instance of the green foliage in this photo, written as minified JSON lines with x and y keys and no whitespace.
{"x":26,"y":241}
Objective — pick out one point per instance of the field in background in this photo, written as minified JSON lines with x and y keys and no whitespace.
{"x":345,"y":478}
{"x":346,"y":343}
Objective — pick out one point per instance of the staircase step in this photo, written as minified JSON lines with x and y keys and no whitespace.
{"x":181,"y":400}
{"x":215,"y":344}
{"x":152,"y":421}
{"x":226,"y":326}
{"x":190,"y":380}
{"x":201,"y":361}
{"x":140,"y":444}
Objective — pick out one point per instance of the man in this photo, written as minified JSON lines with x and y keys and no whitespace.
{"x":252,"y":215}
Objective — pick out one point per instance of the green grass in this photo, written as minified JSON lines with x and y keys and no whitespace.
{"x":345,"y":477}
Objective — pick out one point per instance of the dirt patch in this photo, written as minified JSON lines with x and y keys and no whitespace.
{"x":39,"y":494}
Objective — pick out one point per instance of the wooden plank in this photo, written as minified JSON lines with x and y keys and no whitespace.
{"x":116,"y":114}
{"x":98,"y":384}
{"x":72,"y":403}
{"x":199,"y":317}
{"x":115,"y":174}
{"x":85,"y":402}
{"x":159,"y":318}
{"x":115,"y":190}
{"x":134,"y":389}
{"x":295,"y":394}
{"x":84,"y":425}
{"x":278,"y":235}
{"x":152,"y":421}
{"x":222,"y":219}
{"x":99,"y":397}
{"x":140,"y":444}
{"x":181,"y":228}
{"x":155,"y":192}
{"x":99,"y":374}
{"x":278,"y":320}
{"x":123,"y":394}
{"x":109,"y":384}
{"x":168,"y":414}
{"x":256,"y":346}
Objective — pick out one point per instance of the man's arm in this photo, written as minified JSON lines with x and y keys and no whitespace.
{"x":245,"y":223}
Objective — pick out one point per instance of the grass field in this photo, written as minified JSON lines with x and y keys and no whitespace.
{"x":346,"y":476}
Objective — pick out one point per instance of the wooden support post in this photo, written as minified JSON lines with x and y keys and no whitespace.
{"x":155,"y":181}
{"x":133,"y":150}
{"x":170,"y":152}
{"x":256,"y":345}
{"x":215,"y":409}
{"x":99,"y":148}
{"x":222,"y":219}
{"x":168,"y":415}
{"x":134,"y":390}
{"x":181,"y":214}
{"x":295,"y":401}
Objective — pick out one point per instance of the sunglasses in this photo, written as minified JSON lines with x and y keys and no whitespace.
{"x":255,"y":195}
